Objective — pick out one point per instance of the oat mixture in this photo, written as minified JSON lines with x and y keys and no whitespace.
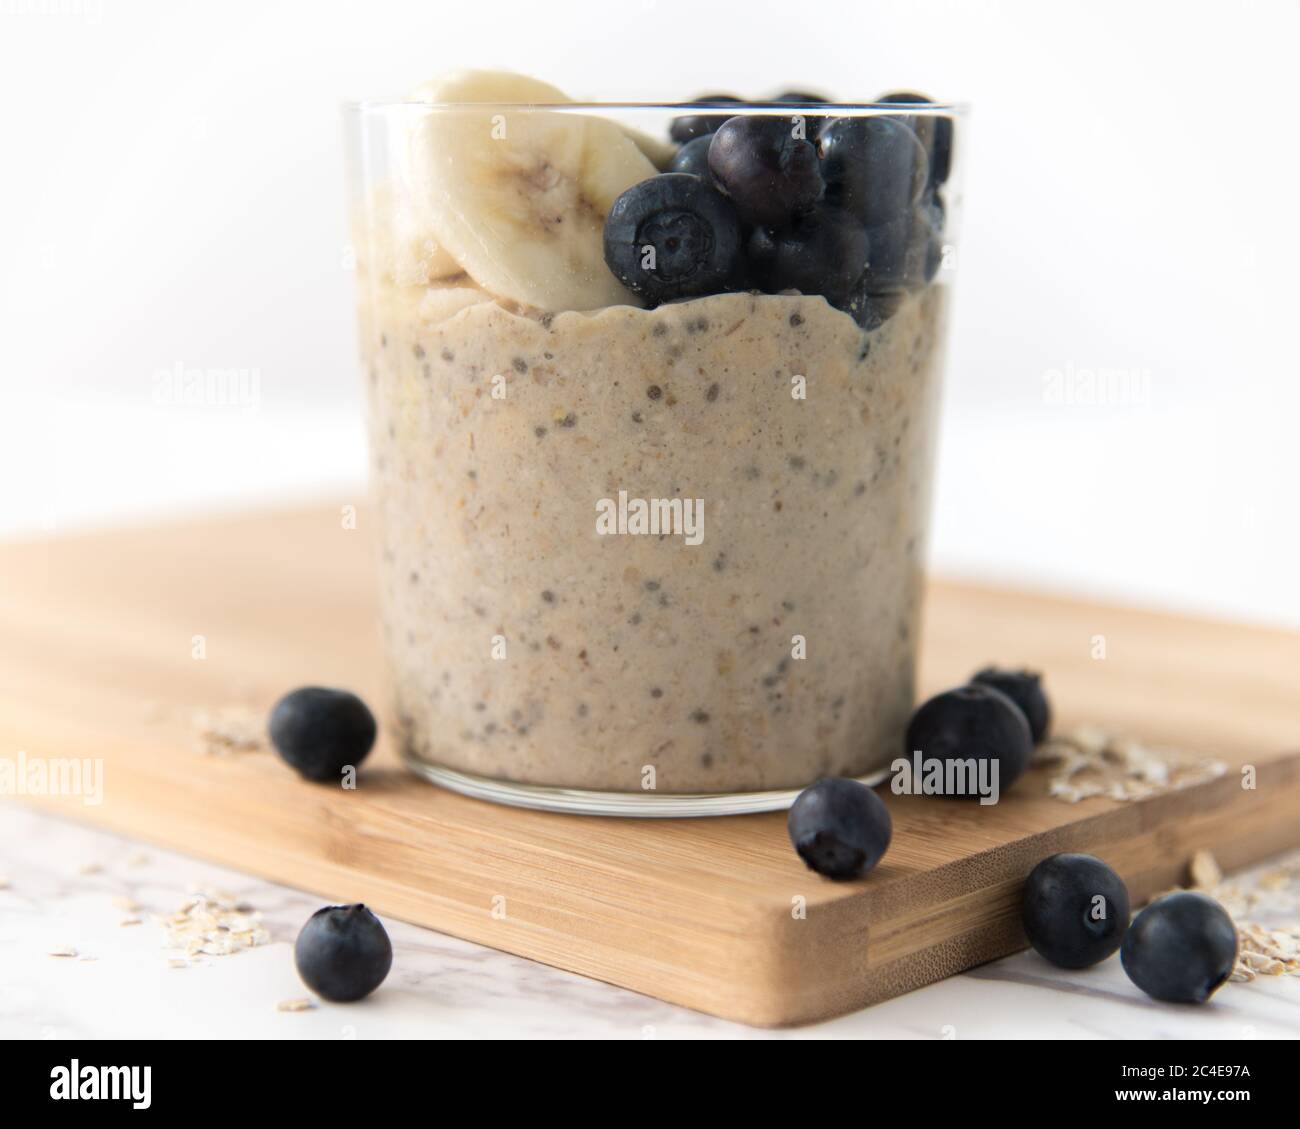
{"x":627,"y":651}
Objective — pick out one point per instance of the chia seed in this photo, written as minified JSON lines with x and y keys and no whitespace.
{"x":700,"y":717}
{"x":796,"y":320}
{"x":712,"y":393}
{"x":570,"y":420}
{"x":418,"y":350}
{"x":539,"y":431}
{"x":548,"y":596}
{"x":656,"y":692}
{"x":520,"y":365}
{"x":447,"y":355}
{"x":654,"y":391}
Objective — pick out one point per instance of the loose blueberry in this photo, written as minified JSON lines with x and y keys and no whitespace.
{"x":840,"y":828}
{"x":693,"y":158}
{"x":767,"y":166}
{"x":320,"y":732}
{"x":673,"y":236}
{"x":343,"y":953}
{"x":972,"y":723}
{"x":902,"y":254}
{"x":875,"y":168}
{"x":935,"y":133}
{"x":823,"y":252}
{"x":1075,"y":910}
{"x":691,"y":126}
{"x":1025,"y":688}
{"x":1181,"y":948}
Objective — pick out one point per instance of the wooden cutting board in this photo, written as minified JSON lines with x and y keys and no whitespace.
{"x":98,"y":636}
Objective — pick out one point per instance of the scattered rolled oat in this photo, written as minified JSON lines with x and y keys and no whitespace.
{"x":213,"y":924}
{"x":126,"y":905}
{"x":295,"y":1005}
{"x":177,"y":962}
{"x":229,"y":729}
{"x":130,"y":921}
{"x":92,"y":868}
{"x":1089,"y":762}
{"x":1204,"y":871}
{"x":63,"y":951}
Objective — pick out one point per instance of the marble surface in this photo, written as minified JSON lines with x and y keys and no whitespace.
{"x":63,"y":880}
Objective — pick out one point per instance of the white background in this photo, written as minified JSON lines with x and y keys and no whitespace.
{"x":172,"y":193}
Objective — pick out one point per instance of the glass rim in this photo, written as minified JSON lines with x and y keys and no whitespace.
{"x":731,"y":109}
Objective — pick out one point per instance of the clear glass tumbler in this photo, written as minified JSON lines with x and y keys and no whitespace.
{"x":651,"y":457}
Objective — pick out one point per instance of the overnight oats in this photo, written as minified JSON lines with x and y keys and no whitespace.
{"x":652,"y":407}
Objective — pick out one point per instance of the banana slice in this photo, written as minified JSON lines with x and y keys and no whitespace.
{"x":437,"y":304}
{"x":518,"y":196}
{"x":656,"y":150}
{"x":397,"y":243}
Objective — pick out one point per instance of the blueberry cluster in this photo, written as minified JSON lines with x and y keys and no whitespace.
{"x":1180,"y":949}
{"x":998,"y":716}
{"x":847,"y":207}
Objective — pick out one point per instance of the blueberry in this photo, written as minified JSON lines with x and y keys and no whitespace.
{"x":823,"y":252}
{"x":1181,"y":948}
{"x":693,"y":158}
{"x":802,"y":96}
{"x":1025,"y":688}
{"x":673,"y":236}
{"x":874,"y":167}
{"x":902,"y":254}
{"x":767,"y":166}
{"x":871,"y":311}
{"x":935,"y":133}
{"x":343,"y":953}
{"x":319,"y":731}
{"x":972,"y":723}
{"x":1075,"y":910}
{"x":691,"y":126}
{"x":933,"y":208}
{"x":840,"y":828}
